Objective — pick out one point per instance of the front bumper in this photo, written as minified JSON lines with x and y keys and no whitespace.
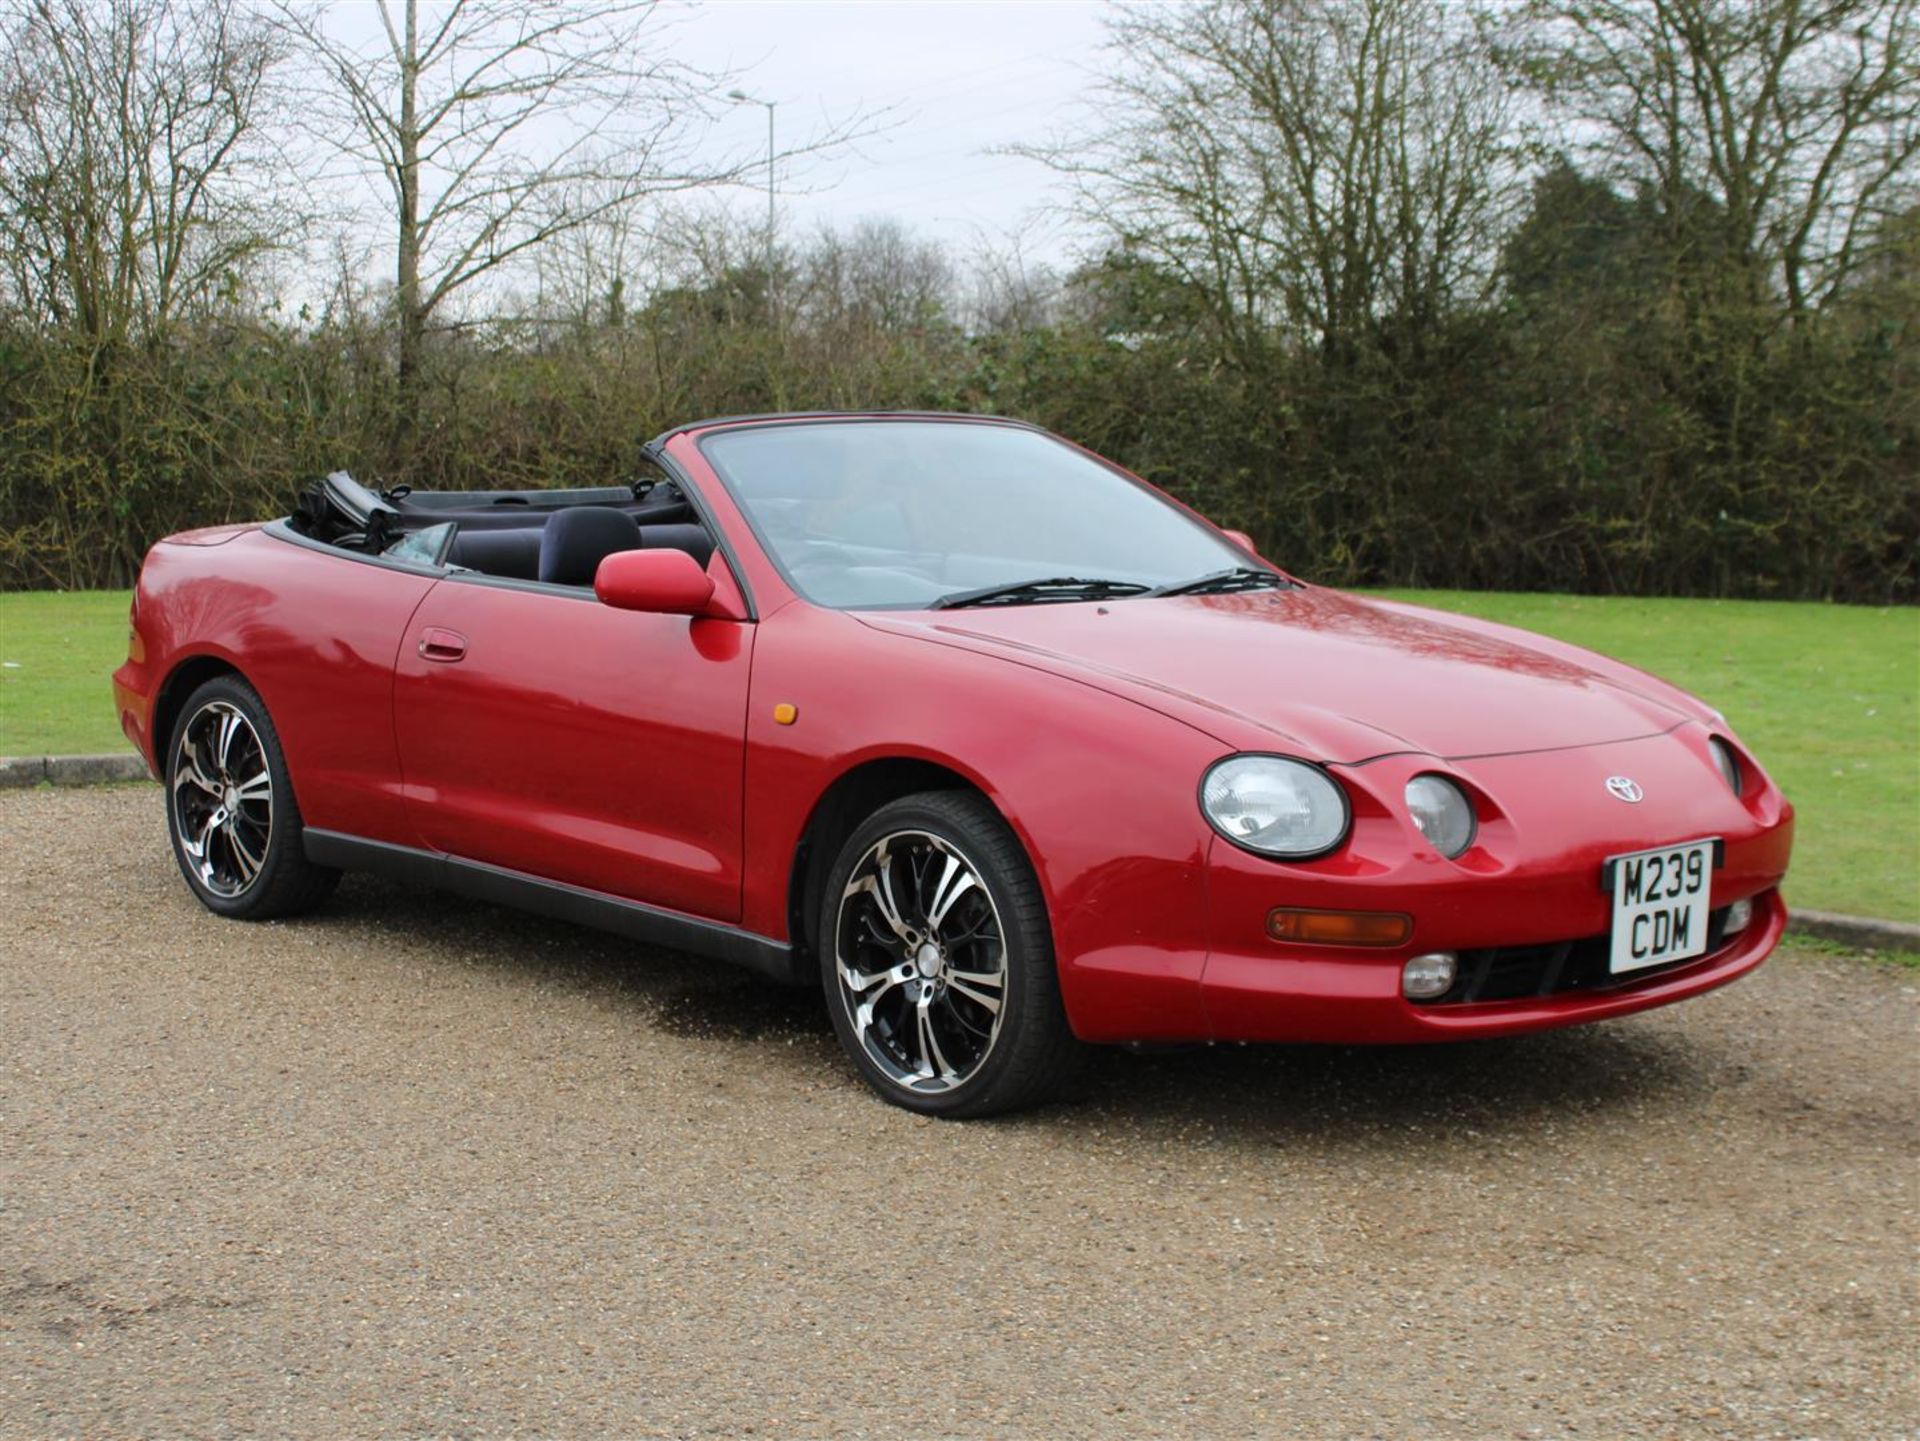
{"x":1355,"y":999}
{"x":1533,"y":880}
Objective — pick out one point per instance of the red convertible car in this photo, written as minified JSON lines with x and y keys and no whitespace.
{"x":1004,"y":749}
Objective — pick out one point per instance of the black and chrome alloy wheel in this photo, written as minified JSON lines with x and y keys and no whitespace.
{"x":937,"y":960}
{"x":235,"y":825}
{"x":222,"y":798}
{"x":922,"y":961}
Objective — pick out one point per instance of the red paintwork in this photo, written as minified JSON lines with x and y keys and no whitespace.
{"x":661,"y":582}
{"x":594,"y":746}
{"x":315,"y":634}
{"x":637,"y":754}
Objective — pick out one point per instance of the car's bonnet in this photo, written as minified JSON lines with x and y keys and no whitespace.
{"x":1316,"y":672}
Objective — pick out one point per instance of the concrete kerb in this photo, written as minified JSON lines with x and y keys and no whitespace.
{"x":18,"y":772}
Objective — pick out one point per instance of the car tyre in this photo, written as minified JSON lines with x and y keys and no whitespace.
{"x":231,"y":812}
{"x":937,"y":961}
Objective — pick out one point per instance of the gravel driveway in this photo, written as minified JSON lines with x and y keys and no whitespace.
{"x":418,"y":1166}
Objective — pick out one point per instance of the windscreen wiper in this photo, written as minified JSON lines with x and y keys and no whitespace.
{"x":1223,"y":582}
{"x":1026,"y":592}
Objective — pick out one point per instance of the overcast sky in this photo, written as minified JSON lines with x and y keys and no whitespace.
{"x":956,"y":78}
{"x":934,"y":87}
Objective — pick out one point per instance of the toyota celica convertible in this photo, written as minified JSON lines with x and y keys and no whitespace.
{"x":1002,"y":748}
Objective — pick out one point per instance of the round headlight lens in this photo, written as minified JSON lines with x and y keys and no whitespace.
{"x":1442,"y":812}
{"x":1723,"y":759}
{"x":1274,"y":805}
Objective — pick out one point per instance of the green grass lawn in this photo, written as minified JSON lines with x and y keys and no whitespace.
{"x":56,"y":654}
{"x":1827,"y":696}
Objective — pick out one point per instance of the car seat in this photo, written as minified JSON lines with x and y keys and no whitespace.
{"x":574,"y":541}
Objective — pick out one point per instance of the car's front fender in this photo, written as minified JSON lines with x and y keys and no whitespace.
{"x":1100,"y":791}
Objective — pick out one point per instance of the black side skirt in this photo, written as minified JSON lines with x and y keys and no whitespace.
{"x":637,"y":921}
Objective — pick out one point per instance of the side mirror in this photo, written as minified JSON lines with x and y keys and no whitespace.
{"x":662,"y":582}
{"x":1243,"y":540}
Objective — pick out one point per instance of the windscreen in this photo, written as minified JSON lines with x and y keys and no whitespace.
{"x":901,"y":513}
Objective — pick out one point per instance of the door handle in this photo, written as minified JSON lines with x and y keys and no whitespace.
{"x":442,"y":645}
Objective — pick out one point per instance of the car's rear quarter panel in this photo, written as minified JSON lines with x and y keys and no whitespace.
{"x":314,"y":633}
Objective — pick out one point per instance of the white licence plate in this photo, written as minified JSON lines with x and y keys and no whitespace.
{"x":1660,"y":904}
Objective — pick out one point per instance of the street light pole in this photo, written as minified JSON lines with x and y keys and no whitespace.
{"x":741,"y":97}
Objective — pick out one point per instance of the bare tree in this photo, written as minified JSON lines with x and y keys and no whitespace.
{"x":1310,"y":163}
{"x":1009,"y":293}
{"x":130,"y":178}
{"x":877,"y":276}
{"x":1797,"y":121}
{"x":494,"y":126}
{"x":592,"y":275}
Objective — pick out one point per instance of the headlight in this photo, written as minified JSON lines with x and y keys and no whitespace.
{"x":1442,"y":812}
{"x":1728,"y":766}
{"x":1273,"y":805}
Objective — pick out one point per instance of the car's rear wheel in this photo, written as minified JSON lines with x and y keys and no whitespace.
{"x":938,"y":963}
{"x":231,"y":812}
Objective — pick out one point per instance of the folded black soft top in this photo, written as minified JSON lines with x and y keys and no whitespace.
{"x":404,"y":499}
{"x":660,"y":504}
{"x":342,"y":511}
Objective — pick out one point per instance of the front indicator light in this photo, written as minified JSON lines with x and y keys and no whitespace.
{"x":1425,"y":977}
{"x":1739,"y":917}
{"x":1339,"y":928}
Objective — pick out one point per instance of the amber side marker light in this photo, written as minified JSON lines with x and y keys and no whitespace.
{"x":1339,"y":928}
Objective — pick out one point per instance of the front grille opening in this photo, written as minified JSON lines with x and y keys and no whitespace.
{"x":1518,"y":973}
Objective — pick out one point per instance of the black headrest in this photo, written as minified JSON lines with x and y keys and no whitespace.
{"x":693,"y":539}
{"x":514,"y":553}
{"x":578,"y":538}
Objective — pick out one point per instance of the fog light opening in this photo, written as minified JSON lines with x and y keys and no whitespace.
{"x":1739,"y":916}
{"x":1425,"y":977}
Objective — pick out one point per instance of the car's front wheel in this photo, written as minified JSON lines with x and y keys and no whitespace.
{"x":230,"y":809}
{"x":938,"y":963}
